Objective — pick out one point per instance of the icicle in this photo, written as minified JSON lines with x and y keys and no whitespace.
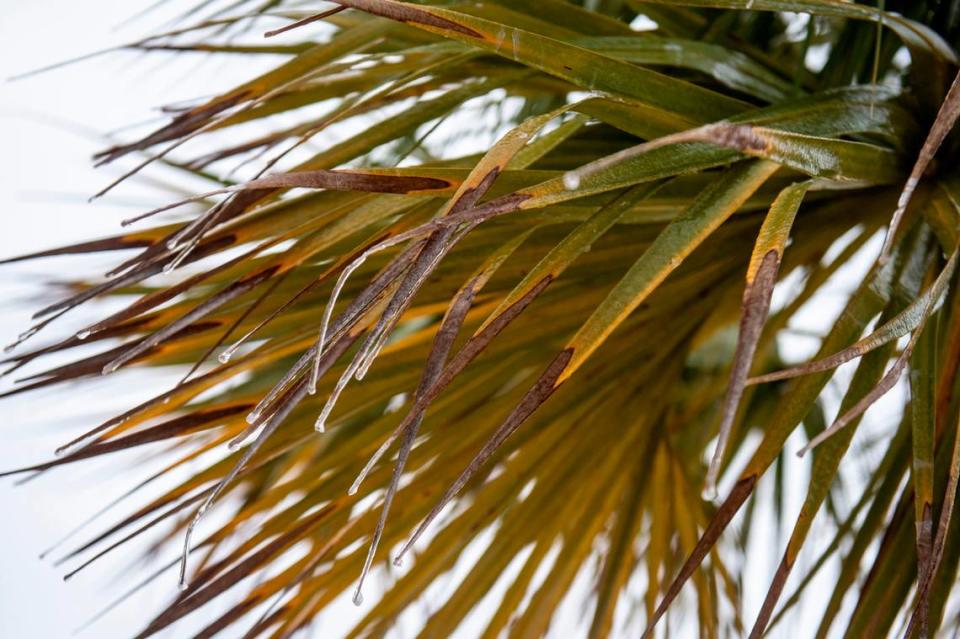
{"x":439,"y":352}
{"x":368,"y":362}
{"x":544,"y":387}
{"x":80,"y":442}
{"x":225,"y":356}
{"x":184,"y":253}
{"x":140,"y":261}
{"x":182,"y":581}
{"x":434,"y":367}
{"x":369,"y":353}
{"x":22,"y":337}
{"x":320,"y":424}
{"x":349,"y":270}
{"x":112,"y":367}
{"x":433,"y":252}
{"x":227,"y":294}
{"x":280,"y":386}
{"x":405,"y":447}
{"x":168,"y":207}
{"x":327,"y":314}
{"x":268,"y":430}
{"x":384,"y":447}
{"x":244,"y":435}
{"x":232,"y":349}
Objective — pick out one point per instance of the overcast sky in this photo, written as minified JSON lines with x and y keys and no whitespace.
{"x":46,"y":128}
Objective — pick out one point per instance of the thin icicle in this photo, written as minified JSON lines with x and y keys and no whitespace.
{"x":190,"y":246}
{"x":33,"y":330}
{"x":243,"y":316}
{"x":380,"y":452}
{"x":327,"y":313}
{"x":89,"y":520}
{"x":193,"y":232}
{"x":280,"y":386}
{"x":244,"y":435}
{"x":321,"y":423}
{"x":408,"y":438}
{"x":295,"y":397}
{"x":174,"y":205}
{"x":352,"y":370}
{"x":27,"y":334}
{"x":442,"y":343}
{"x":433,"y":252}
{"x":227,"y":294}
{"x":474,"y":346}
{"x":229,"y":352}
{"x":329,"y":358}
{"x":532,"y":400}
{"x":393,"y":270}
{"x":435,"y":249}
{"x":139,"y":273}
{"x":132,"y":535}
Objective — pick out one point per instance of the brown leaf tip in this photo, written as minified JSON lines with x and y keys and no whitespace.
{"x":406,"y":13}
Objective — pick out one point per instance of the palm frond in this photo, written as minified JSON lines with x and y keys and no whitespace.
{"x":534,"y":251}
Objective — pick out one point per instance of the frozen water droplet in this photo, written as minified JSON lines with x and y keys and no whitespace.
{"x":224,"y":357}
{"x":184,"y":586}
{"x":358,"y":598}
{"x":710,"y":493}
{"x":84,"y":334}
{"x":571,"y":181}
{"x":320,"y":426}
{"x":252,"y":417}
{"x":398,"y":562}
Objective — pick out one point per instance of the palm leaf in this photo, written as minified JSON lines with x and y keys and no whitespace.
{"x":511,"y":238}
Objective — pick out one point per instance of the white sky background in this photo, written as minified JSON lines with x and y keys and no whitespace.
{"x":45,"y":178}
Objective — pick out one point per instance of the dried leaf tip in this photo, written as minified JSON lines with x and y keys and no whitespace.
{"x":942,"y":125}
{"x":304,"y":21}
